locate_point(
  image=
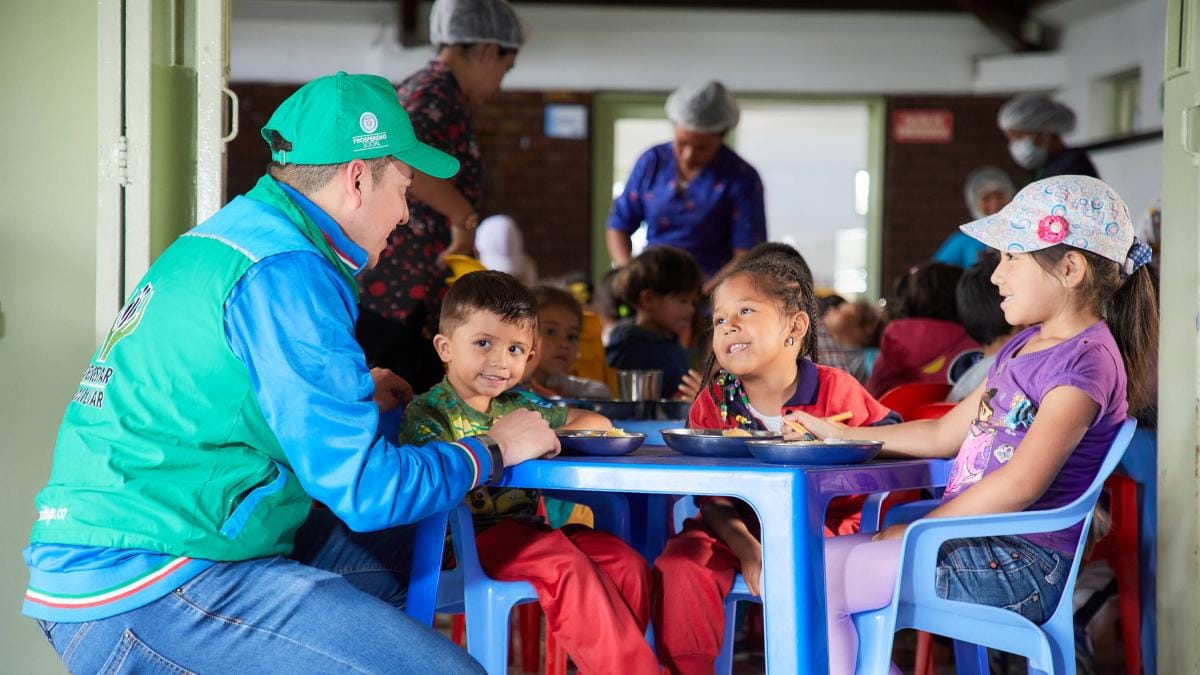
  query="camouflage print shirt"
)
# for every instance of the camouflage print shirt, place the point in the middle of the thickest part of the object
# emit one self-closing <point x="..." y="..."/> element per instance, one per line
<point x="441" y="414"/>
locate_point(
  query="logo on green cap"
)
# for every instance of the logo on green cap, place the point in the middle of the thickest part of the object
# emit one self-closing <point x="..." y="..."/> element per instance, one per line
<point x="369" y="140"/>
<point x="368" y="122"/>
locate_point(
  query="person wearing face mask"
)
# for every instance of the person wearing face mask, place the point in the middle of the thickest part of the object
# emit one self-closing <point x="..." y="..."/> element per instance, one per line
<point x="693" y="193"/>
<point x="1034" y="125"/>
<point x="987" y="190"/>
<point x="476" y="43"/>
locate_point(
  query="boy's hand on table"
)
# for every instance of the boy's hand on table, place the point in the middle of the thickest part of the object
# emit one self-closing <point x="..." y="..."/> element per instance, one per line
<point x="522" y="435"/>
<point x="390" y="389"/>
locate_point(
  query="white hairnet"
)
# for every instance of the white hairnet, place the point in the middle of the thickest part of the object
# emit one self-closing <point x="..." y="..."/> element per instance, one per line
<point x="501" y="248"/>
<point x="984" y="180"/>
<point x="459" y="22"/>
<point x="1035" y="113"/>
<point x="706" y="107"/>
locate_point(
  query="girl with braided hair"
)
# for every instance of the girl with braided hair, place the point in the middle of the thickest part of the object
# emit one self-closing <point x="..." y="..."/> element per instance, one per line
<point x="761" y="320"/>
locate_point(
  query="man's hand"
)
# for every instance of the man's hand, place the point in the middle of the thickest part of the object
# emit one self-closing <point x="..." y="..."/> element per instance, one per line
<point x="522" y="435"/>
<point x="390" y="389"/>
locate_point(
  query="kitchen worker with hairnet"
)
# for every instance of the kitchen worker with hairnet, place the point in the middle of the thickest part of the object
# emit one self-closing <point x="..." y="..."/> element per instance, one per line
<point x="694" y="193"/>
<point x="475" y="43"/>
<point x="1034" y="125"/>
<point x="987" y="190"/>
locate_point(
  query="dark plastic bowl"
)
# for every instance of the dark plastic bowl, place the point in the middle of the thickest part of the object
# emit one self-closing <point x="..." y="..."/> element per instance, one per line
<point x="815" y="452"/>
<point x="712" y="442"/>
<point x="670" y="409"/>
<point x="613" y="410"/>
<point x="600" y="444"/>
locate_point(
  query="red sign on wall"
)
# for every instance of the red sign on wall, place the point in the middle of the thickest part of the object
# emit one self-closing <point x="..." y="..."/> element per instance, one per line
<point x="922" y="126"/>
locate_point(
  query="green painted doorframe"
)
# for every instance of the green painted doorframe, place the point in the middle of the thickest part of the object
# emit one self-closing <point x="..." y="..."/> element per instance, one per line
<point x="1178" y="565"/>
<point x="609" y="107"/>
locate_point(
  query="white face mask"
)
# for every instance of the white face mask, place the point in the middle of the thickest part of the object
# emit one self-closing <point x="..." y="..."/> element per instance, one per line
<point x="1026" y="153"/>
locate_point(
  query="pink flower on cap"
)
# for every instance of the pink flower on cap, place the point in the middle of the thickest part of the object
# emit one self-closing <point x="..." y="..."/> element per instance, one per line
<point x="1052" y="229"/>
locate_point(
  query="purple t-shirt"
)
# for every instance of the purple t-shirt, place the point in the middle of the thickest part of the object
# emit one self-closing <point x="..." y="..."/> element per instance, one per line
<point x="1013" y="391"/>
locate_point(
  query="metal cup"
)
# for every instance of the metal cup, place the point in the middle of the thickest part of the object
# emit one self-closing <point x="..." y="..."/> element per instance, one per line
<point x="639" y="385"/>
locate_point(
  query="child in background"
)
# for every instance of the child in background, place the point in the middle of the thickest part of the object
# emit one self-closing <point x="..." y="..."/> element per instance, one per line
<point x="607" y="306"/>
<point x="560" y="320"/>
<point x="663" y="284"/>
<point x="924" y="338"/>
<point x="1039" y="426"/>
<point x="979" y="309"/>
<point x="761" y="337"/>
<point x="854" y="326"/>
<point x="593" y="587"/>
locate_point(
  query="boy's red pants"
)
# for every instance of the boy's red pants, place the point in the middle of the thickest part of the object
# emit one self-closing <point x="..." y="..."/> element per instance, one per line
<point x="593" y="588"/>
<point x="693" y="575"/>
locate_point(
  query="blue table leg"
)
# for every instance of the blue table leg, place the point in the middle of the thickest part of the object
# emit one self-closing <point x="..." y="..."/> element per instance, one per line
<point x="793" y="577"/>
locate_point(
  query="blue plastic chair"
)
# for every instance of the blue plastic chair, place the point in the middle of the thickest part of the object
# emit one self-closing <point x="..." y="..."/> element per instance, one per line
<point x="1050" y="647"/>
<point x="467" y="589"/>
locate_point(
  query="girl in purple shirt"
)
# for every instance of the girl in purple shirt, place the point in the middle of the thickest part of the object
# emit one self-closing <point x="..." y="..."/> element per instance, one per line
<point x="1037" y="429"/>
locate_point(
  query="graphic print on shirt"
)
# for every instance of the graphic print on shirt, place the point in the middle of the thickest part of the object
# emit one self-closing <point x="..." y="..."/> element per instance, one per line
<point x="973" y="456"/>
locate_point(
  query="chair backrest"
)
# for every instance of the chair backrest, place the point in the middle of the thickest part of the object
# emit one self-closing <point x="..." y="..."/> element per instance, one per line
<point x="1116" y="450"/>
<point x="932" y="411"/>
<point x="906" y="398"/>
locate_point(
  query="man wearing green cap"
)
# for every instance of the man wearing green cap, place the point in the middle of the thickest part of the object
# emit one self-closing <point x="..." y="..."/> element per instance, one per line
<point x="175" y="532"/>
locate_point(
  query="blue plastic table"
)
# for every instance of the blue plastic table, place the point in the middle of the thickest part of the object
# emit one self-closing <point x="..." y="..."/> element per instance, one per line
<point x="790" y="501"/>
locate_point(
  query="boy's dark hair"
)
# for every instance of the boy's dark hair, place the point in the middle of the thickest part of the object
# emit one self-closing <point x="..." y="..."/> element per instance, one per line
<point x="489" y="291"/>
<point x="828" y="302"/>
<point x="978" y="301"/>
<point x="664" y="270"/>
<point x="553" y="296"/>
<point x="927" y="292"/>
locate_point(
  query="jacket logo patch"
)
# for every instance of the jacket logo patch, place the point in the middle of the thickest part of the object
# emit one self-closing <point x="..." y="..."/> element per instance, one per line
<point x="48" y="514"/>
<point x="127" y="321"/>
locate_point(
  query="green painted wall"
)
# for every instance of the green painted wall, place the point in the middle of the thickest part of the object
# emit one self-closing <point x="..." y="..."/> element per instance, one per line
<point x="47" y="270"/>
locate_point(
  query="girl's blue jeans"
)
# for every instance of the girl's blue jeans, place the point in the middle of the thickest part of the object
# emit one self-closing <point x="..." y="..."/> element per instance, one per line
<point x="333" y="606"/>
<point x="1008" y="572"/>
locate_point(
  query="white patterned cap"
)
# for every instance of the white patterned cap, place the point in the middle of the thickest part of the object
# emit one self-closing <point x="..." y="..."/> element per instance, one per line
<point x="1078" y="211"/>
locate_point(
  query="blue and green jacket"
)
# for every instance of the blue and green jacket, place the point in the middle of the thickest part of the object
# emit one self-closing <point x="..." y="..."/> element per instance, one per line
<point x="229" y="393"/>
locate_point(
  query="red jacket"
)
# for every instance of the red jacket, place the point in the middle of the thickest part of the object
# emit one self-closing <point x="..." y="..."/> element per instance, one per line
<point x="820" y="391"/>
<point x="918" y="350"/>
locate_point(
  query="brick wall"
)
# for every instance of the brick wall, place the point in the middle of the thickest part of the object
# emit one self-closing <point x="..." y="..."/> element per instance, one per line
<point x="543" y="183"/>
<point x="923" y="182"/>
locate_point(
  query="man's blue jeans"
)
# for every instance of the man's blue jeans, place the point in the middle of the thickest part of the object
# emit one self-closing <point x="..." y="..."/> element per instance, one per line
<point x="332" y="607"/>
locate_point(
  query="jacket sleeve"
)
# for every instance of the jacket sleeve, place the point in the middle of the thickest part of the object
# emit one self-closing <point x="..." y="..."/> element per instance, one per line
<point x="290" y="320"/>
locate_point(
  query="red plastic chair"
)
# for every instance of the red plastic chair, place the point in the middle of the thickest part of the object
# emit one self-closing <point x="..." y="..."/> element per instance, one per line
<point x="932" y="411"/>
<point x="1119" y="547"/>
<point x="906" y="398"/>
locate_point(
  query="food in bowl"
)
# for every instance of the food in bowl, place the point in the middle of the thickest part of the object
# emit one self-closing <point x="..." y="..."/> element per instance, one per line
<point x="736" y="432"/>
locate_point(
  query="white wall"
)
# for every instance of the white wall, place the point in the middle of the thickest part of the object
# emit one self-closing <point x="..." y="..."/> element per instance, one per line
<point x="1100" y="38"/>
<point x="626" y="49"/>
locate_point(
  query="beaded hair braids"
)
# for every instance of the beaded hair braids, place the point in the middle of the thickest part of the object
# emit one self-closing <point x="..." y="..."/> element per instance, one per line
<point x="779" y="272"/>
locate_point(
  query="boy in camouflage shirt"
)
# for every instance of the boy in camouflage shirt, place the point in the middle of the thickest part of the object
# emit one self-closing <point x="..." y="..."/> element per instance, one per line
<point x="592" y="586"/>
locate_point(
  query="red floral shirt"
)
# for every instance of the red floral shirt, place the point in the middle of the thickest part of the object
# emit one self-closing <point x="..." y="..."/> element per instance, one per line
<point x="408" y="276"/>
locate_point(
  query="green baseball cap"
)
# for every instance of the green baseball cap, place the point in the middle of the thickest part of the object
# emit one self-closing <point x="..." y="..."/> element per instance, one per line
<point x="339" y="118"/>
